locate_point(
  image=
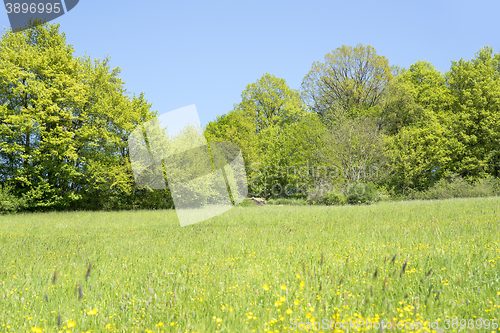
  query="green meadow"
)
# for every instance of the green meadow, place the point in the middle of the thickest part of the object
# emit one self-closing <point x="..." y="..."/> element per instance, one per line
<point x="254" y="269"/>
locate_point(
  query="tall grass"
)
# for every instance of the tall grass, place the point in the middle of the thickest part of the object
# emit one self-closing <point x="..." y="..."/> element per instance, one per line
<point x="252" y="269"/>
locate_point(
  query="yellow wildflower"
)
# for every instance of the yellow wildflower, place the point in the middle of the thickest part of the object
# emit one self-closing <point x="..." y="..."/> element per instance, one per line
<point x="92" y="312"/>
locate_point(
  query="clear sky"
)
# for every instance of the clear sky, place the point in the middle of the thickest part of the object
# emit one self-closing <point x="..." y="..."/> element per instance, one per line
<point x="205" y="52"/>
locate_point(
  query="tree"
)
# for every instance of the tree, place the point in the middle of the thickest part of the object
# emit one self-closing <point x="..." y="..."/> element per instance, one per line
<point x="355" y="148"/>
<point x="398" y="109"/>
<point x="64" y="122"/>
<point x="235" y="127"/>
<point x="413" y="97"/>
<point x="264" y="101"/>
<point x="267" y="103"/>
<point x="349" y="78"/>
<point x="475" y="114"/>
<point x="288" y="156"/>
<point x="428" y="87"/>
<point x="414" y="114"/>
<point x="418" y="156"/>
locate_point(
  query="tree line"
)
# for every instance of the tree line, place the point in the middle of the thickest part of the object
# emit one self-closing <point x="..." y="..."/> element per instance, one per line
<point x="65" y="121"/>
<point x="398" y="131"/>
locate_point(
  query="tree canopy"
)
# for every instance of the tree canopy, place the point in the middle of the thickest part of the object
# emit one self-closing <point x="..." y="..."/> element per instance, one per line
<point x="268" y="101"/>
<point x="349" y="78"/>
<point x="64" y="121"/>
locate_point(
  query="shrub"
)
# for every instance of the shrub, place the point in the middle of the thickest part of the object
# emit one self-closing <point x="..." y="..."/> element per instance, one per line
<point x="9" y="203"/>
<point x="357" y="193"/>
<point x="247" y="203"/>
<point x="384" y="194"/>
<point x="360" y="193"/>
<point x="328" y="198"/>
<point x="334" y="198"/>
<point x="454" y="186"/>
<point x="287" y="202"/>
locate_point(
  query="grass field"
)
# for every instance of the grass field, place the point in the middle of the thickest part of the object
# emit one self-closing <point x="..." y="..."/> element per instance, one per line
<point x="253" y="269"/>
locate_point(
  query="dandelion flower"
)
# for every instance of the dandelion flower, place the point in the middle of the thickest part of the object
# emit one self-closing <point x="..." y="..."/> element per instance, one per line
<point x="266" y="287"/>
<point x="283" y="287"/>
<point x="92" y="312"/>
<point x="289" y="311"/>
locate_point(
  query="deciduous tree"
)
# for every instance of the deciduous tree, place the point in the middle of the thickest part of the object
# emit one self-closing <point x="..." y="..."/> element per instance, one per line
<point x="265" y="101"/>
<point x="475" y="113"/>
<point x="64" y="121"/>
<point x="349" y="78"/>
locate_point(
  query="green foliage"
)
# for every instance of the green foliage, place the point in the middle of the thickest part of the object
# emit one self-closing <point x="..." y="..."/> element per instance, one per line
<point x="287" y="202"/>
<point x="247" y="203"/>
<point x="399" y="109"/>
<point x="288" y="155"/>
<point x="428" y="87"/>
<point x="362" y="193"/>
<point x="9" y="202"/>
<point x="355" y="193"/>
<point x="349" y="78"/>
<point x="64" y="122"/>
<point x="267" y="102"/>
<point x="328" y="199"/>
<point x="235" y="127"/>
<point x="454" y="186"/>
<point x="475" y="114"/>
<point x="418" y="156"/>
<point x="413" y="115"/>
<point x="355" y="148"/>
<point x="276" y="134"/>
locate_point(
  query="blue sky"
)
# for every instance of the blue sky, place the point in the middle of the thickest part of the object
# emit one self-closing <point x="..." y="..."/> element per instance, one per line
<point x="205" y="52"/>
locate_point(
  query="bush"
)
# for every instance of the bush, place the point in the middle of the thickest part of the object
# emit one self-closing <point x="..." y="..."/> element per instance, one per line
<point x="247" y="203"/>
<point x="384" y="194"/>
<point x="329" y="198"/>
<point x="9" y="203"/>
<point x="361" y="193"/>
<point x="454" y="186"/>
<point x="287" y="202"/>
<point x="357" y="193"/>
<point x="334" y="198"/>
